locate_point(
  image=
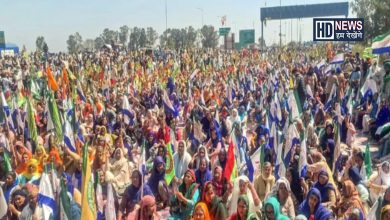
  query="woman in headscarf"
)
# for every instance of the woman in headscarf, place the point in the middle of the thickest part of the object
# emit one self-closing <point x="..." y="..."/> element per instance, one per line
<point x="40" y="155"/>
<point x="181" y="160"/>
<point x="10" y="185"/>
<point x="297" y="195"/>
<point x="54" y="159"/>
<point x="214" y="145"/>
<point x="222" y="186"/>
<point x="350" y="200"/>
<point x="18" y="201"/>
<point x="282" y="192"/>
<point x="312" y="208"/>
<point x="243" y="212"/>
<point x="32" y="174"/>
<point x="157" y="183"/>
<point x="379" y="182"/>
<point x="133" y="194"/>
<point x="202" y="153"/>
<point x="25" y="156"/>
<point x="242" y="186"/>
<point x="214" y="204"/>
<point x="185" y="197"/>
<point x="221" y="161"/>
<point x="327" y="190"/>
<point x="100" y="158"/>
<point x="147" y="210"/>
<point x="118" y="171"/>
<point x="264" y="181"/>
<point x="203" y="174"/>
<point x="318" y="163"/>
<point x="272" y="210"/>
<point x="201" y="212"/>
<point x="354" y="176"/>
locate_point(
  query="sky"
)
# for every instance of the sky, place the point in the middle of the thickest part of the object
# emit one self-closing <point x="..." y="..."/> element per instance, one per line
<point x="24" y="20"/>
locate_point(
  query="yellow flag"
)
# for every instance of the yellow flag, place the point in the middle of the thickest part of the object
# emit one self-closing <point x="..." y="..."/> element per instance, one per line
<point x="88" y="207"/>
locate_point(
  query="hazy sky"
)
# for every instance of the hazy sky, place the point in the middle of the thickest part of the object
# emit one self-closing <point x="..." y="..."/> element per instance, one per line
<point x="24" y="20"/>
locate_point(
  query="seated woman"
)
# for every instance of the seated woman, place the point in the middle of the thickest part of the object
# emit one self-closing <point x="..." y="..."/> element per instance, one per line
<point x="282" y="192"/>
<point x="327" y="190"/>
<point x="18" y="201"/>
<point x="118" y="171"/>
<point x="380" y="181"/>
<point x="201" y="212"/>
<point x="312" y="208"/>
<point x="32" y="174"/>
<point x="222" y="186"/>
<point x="201" y="153"/>
<point x="203" y="174"/>
<point x="10" y="185"/>
<point x="243" y="212"/>
<point x="133" y="194"/>
<point x="185" y="198"/>
<point x="272" y="210"/>
<point x="242" y="186"/>
<point x="157" y="183"/>
<point x="264" y="181"/>
<point x="350" y="201"/>
<point x="147" y="210"/>
<point x="214" y="203"/>
<point x="356" y="179"/>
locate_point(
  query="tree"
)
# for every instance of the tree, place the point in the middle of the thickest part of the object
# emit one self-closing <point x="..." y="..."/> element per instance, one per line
<point x="151" y="36"/>
<point x="210" y="36"/>
<point x="45" y="48"/>
<point x="375" y="14"/>
<point x="123" y="34"/>
<point x="39" y="43"/>
<point x="109" y="36"/>
<point x="89" y="44"/>
<point x="75" y="43"/>
<point x="138" y="38"/>
<point x="99" y="43"/>
<point x="191" y="34"/>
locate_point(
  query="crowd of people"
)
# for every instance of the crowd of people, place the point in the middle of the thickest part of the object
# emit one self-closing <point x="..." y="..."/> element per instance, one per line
<point x="194" y="134"/>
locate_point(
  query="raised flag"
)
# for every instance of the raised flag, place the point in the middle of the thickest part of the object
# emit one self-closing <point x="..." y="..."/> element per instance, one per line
<point x="69" y="137"/>
<point x="367" y="161"/>
<point x="31" y="124"/>
<point x="128" y="116"/>
<point x="65" y="205"/>
<point x="302" y="163"/>
<point x="54" y="116"/>
<point x="99" y="200"/>
<point x="46" y="198"/>
<point x="230" y="172"/>
<point x="88" y="207"/>
<point x="169" y="167"/>
<point x="110" y="204"/>
<point x="168" y="106"/>
<point x="381" y="44"/>
<point x="338" y="59"/>
<point x="51" y="82"/>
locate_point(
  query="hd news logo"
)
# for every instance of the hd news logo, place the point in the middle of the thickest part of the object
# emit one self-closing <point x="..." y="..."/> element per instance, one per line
<point x="338" y="29"/>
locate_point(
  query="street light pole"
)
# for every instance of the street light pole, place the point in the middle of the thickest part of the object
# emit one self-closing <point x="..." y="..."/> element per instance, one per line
<point x="201" y="10"/>
<point x="166" y="16"/>
<point x="280" y="24"/>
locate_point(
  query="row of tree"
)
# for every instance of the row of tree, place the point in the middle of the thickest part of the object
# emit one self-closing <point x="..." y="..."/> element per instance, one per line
<point x="136" y="38"/>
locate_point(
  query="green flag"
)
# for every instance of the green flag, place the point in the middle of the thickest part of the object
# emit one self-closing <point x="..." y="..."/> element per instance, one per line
<point x="31" y="123"/>
<point x="367" y="161"/>
<point x="65" y="207"/>
<point x="55" y="116"/>
<point x="169" y="167"/>
<point x="7" y="161"/>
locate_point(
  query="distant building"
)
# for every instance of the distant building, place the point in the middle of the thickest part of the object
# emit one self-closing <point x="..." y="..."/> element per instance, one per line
<point x="9" y="49"/>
